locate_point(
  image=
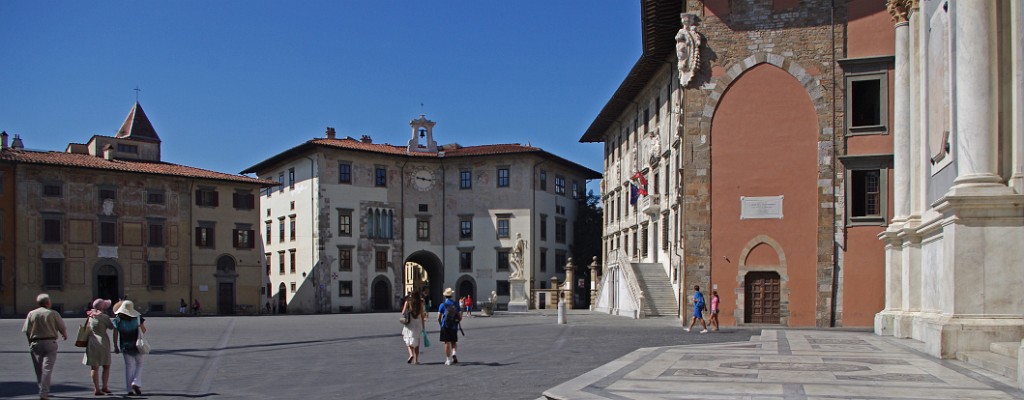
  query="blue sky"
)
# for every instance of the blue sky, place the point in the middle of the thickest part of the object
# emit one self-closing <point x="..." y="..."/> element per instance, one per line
<point x="230" y="83"/>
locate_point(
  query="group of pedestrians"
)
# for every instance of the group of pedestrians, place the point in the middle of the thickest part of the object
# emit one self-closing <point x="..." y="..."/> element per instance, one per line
<point x="43" y="324"/>
<point x="449" y="317"/>
<point x="700" y="306"/>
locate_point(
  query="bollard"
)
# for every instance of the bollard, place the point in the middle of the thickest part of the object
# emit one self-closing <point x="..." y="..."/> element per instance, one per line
<point x="562" y="313"/>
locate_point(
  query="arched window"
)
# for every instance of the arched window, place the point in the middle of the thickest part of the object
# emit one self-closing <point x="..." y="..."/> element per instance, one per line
<point x="390" y="224"/>
<point x="371" y="230"/>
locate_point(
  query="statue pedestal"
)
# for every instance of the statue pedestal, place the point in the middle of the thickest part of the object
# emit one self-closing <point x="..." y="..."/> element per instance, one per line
<point x="519" y="300"/>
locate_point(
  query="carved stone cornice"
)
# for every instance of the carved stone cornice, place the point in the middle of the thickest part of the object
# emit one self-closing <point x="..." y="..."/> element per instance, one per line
<point x="901" y="10"/>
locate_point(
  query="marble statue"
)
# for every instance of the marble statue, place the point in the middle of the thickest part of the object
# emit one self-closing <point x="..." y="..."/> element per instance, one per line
<point x="688" y="42"/>
<point x="516" y="258"/>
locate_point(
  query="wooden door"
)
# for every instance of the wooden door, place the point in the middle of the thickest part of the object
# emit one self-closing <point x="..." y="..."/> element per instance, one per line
<point x="225" y="298"/>
<point x="763" y="297"/>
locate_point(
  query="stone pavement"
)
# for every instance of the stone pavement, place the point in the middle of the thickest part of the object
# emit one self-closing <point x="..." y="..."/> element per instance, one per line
<point x="790" y="364"/>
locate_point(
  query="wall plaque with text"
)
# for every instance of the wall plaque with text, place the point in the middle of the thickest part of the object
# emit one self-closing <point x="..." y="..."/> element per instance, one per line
<point x="767" y="207"/>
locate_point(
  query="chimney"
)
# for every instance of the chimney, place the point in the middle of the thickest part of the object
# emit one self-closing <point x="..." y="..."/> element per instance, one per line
<point x="108" y="152"/>
<point x="17" y="144"/>
<point x="366" y="139"/>
<point x="330" y="133"/>
<point x="3" y="140"/>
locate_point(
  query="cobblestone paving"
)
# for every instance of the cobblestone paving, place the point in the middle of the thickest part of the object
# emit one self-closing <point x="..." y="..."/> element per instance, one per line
<point x="793" y="364"/>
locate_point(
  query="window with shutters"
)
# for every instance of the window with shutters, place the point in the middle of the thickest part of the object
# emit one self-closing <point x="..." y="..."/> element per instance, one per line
<point x="52" y="228"/>
<point x="291" y="260"/>
<point x="243" y="201"/>
<point x="345" y="259"/>
<point x="204" y="236"/>
<point x="280" y="262"/>
<point x="53" y="274"/>
<point x="243" y="238"/>
<point x="381" y="260"/>
<point x="108" y="233"/>
<point x="53" y="190"/>
<point x="156" y="275"/>
<point x="207" y="198"/>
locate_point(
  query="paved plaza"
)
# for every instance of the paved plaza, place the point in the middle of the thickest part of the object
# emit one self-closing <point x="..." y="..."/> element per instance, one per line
<point x="791" y="365"/>
<point x="353" y="356"/>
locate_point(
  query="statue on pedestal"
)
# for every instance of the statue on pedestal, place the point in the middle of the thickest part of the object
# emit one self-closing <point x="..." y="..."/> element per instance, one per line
<point x="516" y="258"/>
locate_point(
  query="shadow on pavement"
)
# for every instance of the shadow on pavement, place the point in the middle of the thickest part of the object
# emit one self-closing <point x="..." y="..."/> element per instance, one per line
<point x="11" y="389"/>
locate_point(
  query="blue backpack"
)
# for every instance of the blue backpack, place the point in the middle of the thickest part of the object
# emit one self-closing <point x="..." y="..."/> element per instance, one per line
<point x="451" y="317"/>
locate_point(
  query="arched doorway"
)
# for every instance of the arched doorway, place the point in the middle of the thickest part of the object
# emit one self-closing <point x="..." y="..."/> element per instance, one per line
<point x="466" y="287"/>
<point x="282" y="299"/>
<point x="107" y="281"/>
<point x="226" y="276"/>
<point x="380" y="297"/>
<point x="763" y="296"/>
<point x="435" y="274"/>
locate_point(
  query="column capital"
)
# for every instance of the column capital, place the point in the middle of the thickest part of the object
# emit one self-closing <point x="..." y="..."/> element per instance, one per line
<point x="901" y="10"/>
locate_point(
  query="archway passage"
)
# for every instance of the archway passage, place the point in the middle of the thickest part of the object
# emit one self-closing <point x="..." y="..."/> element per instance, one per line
<point x="282" y="299"/>
<point x="108" y="285"/>
<point x="763" y="296"/>
<point x="226" y="285"/>
<point x="435" y="275"/>
<point x="466" y="287"/>
<point x="381" y="296"/>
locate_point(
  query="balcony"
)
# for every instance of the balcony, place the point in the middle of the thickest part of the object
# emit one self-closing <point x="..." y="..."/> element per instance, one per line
<point x="650" y="204"/>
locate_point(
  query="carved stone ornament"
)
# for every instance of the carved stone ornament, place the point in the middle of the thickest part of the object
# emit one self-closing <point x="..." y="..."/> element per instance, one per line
<point x="653" y="148"/>
<point x="688" y="49"/>
<point x="900" y="9"/>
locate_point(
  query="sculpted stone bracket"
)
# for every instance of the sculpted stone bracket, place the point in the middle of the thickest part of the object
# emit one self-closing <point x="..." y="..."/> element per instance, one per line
<point x="688" y="42"/>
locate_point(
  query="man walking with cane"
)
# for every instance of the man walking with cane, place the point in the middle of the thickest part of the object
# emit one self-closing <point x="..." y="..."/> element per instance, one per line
<point x="41" y="328"/>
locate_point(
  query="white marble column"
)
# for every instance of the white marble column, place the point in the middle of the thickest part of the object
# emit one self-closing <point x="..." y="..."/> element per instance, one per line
<point x="975" y="54"/>
<point x="1017" y="93"/>
<point x="901" y="124"/>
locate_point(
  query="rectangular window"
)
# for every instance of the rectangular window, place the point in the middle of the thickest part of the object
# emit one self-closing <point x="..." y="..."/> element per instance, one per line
<point x="423" y="230"/>
<point x="53" y="274"/>
<point x="345" y="172"/>
<point x="269" y="231"/>
<point x="280" y="182"/>
<point x="866" y="201"/>
<point x="503" y="230"/>
<point x="108" y="193"/>
<point x="560" y="233"/>
<point x="280" y="229"/>
<point x="108" y="233"/>
<point x="644" y="244"/>
<point x="543" y="227"/>
<point x="52" y="229"/>
<point x="291" y="226"/>
<point x="560" y="259"/>
<point x="503" y="260"/>
<point x="654" y="185"/>
<point x="466" y="229"/>
<point x="207" y="198"/>
<point x="204" y="236"/>
<point x="867" y="102"/>
<point x="380" y="177"/>
<point x="543" y="260"/>
<point x="156" y="234"/>
<point x="502" y="288"/>
<point x="543" y="180"/>
<point x="344" y="259"/>
<point x="53" y="190"/>
<point x="243" y="238"/>
<point x="127" y="148"/>
<point x="576" y="189"/>
<point x="465" y="261"/>
<point x="344" y="222"/>
<point x="155" y="197"/>
<point x="280" y="262"/>
<point x="664" y="232"/>
<point x="156" y="275"/>
<point x="502" y="177"/>
<point x="344" y="288"/>
<point x="382" y="261"/>
<point x="243" y="201"/>
<point x="465" y="180"/>
<point x="291" y="178"/>
<point x="291" y="261"/>
<point x="293" y="289"/>
<point x="559" y="184"/>
<point x="269" y="262"/>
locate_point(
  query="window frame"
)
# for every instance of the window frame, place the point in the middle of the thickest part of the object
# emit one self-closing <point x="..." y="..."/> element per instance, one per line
<point x="503" y="227"/>
<point x="46" y="230"/>
<point x="345" y="289"/>
<point x="465" y="260"/>
<point x="862" y="69"/>
<point x="52" y="189"/>
<point x="57" y="263"/>
<point x="345" y="172"/>
<point x="543" y="180"/>
<point x="380" y="176"/>
<point x="466" y="229"/>
<point x="156" y="269"/>
<point x="501" y="259"/>
<point x="880" y="162"/>
<point x="465" y="179"/>
<point x="345" y="258"/>
<point x="345" y="222"/>
<point x="423" y="230"/>
<point x="504" y="177"/>
<point x="380" y="260"/>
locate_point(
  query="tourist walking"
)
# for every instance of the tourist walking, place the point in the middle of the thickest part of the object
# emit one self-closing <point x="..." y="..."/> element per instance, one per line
<point x="698" y="310"/>
<point x="41" y="328"/>
<point x="469" y="305"/>
<point x="714" y="310"/>
<point x="449" y="317"/>
<point x="97" y="349"/>
<point x="196" y="306"/>
<point x="128" y="325"/>
<point x="462" y="303"/>
<point x="183" y="307"/>
<point x="414" y="327"/>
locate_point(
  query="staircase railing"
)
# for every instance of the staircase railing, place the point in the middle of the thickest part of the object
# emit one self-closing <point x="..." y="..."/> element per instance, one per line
<point x="625" y="264"/>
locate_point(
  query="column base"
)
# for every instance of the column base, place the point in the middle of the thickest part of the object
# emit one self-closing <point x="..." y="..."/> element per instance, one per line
<point x="945" y="336"/>
<point x="903" y="324"/>
<point x="884" y="322"/>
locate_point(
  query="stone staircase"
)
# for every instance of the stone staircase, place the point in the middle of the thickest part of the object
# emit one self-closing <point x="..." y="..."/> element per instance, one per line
<point x="659" y="296"/>
<point x="1001" y="359"/>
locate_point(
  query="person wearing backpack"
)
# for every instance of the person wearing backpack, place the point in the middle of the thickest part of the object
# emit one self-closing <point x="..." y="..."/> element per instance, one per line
<point x="698" y="310"/>
<point x="449" y="316"/>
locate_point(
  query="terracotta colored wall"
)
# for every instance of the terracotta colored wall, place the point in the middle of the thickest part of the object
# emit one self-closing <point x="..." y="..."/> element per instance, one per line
<point x="863" y="276"/>
<point x="870" y="30"/>
<point x="764" y="143"/>
<point x="7" y="206"/>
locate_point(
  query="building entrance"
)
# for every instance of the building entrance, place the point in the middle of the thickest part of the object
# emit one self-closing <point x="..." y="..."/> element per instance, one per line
<point x="763" y="295"/>
<point x="381" y="295"/>
<point x="108" y="285"/>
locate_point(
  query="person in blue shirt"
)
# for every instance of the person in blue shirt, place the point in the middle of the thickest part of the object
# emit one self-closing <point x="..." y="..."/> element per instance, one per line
<point x="449" y="316"/>
<point x="698" y="310"/>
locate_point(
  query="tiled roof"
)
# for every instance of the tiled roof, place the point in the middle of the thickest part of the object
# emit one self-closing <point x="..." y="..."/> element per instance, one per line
<point x="142" y="167"/>
<point x="137" y="126"/>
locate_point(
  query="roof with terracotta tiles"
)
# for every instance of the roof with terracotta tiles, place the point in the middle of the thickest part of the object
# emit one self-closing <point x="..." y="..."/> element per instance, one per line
<point x="137" y="126"/>
<point x="446" y="151"/>
<point x="143" y="167"/>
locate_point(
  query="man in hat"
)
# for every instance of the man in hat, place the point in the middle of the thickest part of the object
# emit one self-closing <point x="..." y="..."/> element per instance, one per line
<point x="449" y="317"/>
<point x="41" y="328"/>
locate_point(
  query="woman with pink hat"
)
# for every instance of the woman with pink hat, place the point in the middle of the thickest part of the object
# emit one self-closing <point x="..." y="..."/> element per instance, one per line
<point x="97" y="351"/>
<point x="128" y="325"/>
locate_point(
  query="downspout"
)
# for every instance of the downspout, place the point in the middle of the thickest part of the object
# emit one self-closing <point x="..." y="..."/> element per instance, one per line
<point x="835" y="247"/>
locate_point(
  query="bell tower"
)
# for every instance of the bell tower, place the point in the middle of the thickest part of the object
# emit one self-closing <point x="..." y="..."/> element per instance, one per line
<point x="422" y="128"/>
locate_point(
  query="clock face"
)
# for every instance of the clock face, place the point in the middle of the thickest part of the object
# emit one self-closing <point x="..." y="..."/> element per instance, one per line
<point x="423" y="180"/>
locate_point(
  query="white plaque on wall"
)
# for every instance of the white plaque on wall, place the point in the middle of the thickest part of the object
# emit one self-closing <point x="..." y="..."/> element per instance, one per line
<point x="767" y="207"/>
<point x="204" y="288"/>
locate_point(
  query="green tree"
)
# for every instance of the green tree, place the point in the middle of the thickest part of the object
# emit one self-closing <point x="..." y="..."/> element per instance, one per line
<point x="587" y="242"/>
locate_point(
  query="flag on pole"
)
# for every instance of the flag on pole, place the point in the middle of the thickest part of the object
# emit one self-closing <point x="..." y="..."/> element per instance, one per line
<point x="633" y="194"/>
<point x="640" y="182"/>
